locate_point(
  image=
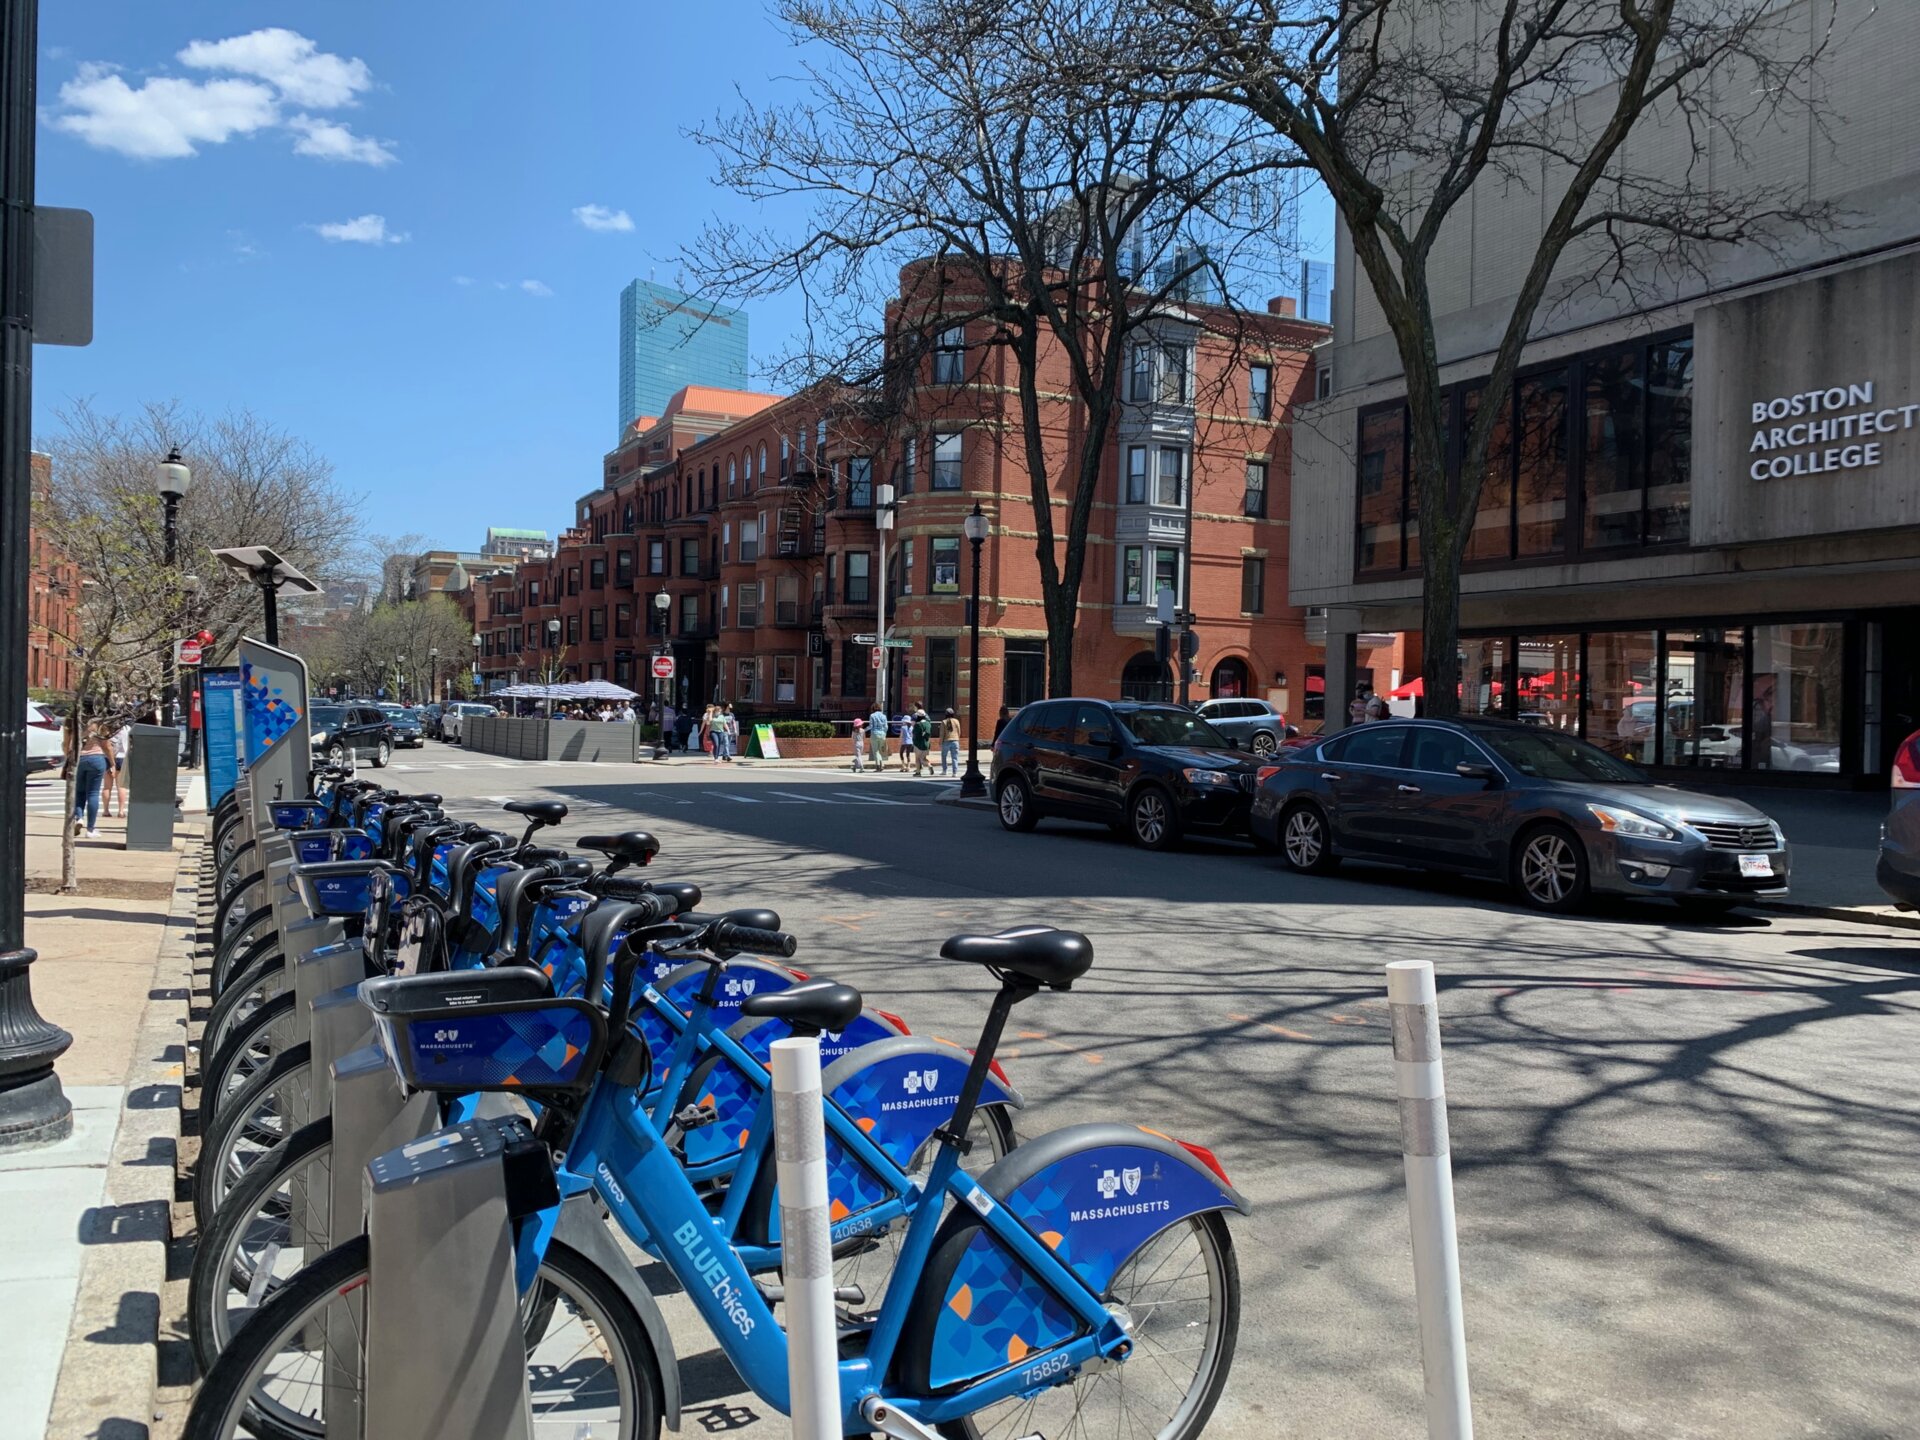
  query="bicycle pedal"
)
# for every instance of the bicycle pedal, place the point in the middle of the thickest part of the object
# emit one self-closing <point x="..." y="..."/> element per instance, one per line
<point x="692" y="1117"/>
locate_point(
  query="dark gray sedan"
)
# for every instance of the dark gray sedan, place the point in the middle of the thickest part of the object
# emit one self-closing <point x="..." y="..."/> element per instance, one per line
<point x="1553" y="816"/>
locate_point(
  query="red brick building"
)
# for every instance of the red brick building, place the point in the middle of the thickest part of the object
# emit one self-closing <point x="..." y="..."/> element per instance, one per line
<point x="755" y="518"/>
<point x="53" y="601"/>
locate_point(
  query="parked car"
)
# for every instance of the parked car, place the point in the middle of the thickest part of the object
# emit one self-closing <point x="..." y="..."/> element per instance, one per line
<point x="1256" y="724"/>
<point x="453" y="715"/>
<point x="1899" y="868"/>
<point x="46" y="745"/>
<point x="407" y="733"/>
<point x="1553" y="816"/>
<point x="430" y="720"/>
<point x="1151" y="771"/>
<point x="363" y="730"/>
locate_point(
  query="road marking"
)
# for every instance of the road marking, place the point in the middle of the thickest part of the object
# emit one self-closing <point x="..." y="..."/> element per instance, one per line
<point x="1091" y="1057"/>
<point x="868" y="799"/>
<point x="1275" y="1029"/>
<point x="809" y="799"/>
<point x="737" y="799"/>
<point x="852" y="922"/>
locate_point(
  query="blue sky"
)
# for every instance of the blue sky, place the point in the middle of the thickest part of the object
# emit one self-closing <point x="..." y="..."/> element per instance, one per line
<point x="359" y="220"/>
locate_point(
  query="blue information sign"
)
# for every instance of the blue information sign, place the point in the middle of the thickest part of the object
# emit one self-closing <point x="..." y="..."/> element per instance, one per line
<point x="225" y="723"/>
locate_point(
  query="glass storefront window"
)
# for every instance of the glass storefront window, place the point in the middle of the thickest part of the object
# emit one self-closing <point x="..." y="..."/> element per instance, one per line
<point x="1797" y="690"/>
<point x="1547" y="690"/>
<point x="1492" y="537"/>
<point x="1542" y="476"/>
<point x="1483" y="676"/>
<point x="1670" y="448"/>
<point x="1382" y="486"/>
<point x="1611" y="426"/>
<point x="1622" y="695"/>
<point x="1706" y="699"/>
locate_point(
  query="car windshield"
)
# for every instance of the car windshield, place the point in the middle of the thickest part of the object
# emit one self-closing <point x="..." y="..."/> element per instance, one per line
<point x="1548" y="755"/>
<point x="328" y="717"/>
<point x="1172" y="727"/>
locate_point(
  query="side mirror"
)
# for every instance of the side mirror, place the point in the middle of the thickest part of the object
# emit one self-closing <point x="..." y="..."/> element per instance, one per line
<point x="1233" y="742"/>
<point x="1475" y="770"/>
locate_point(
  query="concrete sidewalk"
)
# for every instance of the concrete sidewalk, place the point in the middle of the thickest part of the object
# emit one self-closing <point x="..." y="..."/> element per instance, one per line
<point x="83" y="1271"/>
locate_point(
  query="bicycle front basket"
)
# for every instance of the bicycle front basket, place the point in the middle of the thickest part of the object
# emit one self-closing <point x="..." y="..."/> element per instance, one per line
<point x="499" y="1029"/>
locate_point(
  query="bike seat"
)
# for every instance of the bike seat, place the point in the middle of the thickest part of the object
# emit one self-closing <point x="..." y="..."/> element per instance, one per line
<point x="1051" y="959"/>
<point x="634" y="847"/>
<point x="540" y="812"/>
<point x="809" y="1007"/>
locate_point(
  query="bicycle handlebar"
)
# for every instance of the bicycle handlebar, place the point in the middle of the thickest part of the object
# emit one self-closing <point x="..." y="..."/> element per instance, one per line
<point x="728" y="938"/>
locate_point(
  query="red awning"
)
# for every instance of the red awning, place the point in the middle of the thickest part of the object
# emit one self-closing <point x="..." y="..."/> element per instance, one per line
<point x="1413" y="689"/>
<point x="1316" y="684"/>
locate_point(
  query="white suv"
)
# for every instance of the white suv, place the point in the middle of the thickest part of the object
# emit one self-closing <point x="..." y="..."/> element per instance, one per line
<point x="453" y="718"/>
<point x="46" y="742"/>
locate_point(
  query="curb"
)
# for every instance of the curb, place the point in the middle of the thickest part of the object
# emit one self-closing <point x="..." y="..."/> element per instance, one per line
<point x="1851" y="914"/>
<point x="955" y="798"/>
<point x="109" y="1372"/>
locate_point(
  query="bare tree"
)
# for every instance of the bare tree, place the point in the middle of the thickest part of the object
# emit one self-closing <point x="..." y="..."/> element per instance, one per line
<point x="252" y="485"/>
<point x="1403" y="107"/>
<point x="978" y="145"/>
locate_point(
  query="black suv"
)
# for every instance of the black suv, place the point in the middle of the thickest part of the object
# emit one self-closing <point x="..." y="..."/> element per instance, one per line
<point x="363" y="729"/>
<point x="1153" y="771"/>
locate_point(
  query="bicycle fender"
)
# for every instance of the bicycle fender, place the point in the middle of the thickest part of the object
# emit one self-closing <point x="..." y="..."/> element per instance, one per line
<point x="584" y="1229"/>
<point x="677" y="984"/>
<point x="902" y="1089"/>
<point x="1094" y="1195"/>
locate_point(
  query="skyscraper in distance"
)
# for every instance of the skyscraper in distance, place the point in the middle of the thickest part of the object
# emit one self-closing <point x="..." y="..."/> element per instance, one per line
<point x="668" y="340"/>
<point x="1316" y="291"/>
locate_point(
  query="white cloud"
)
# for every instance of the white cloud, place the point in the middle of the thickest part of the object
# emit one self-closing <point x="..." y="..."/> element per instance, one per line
<point x="330" y="140"/>
<point x="164" y="119"/>
<point x="463" y="280"/>
<point x="299" y="69"/>
<point x="536" y="288"/>
<point x="361" y="230"/>
<point x="599" y="217"/>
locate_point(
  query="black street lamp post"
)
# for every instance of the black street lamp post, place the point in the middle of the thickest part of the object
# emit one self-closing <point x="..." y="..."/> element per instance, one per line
<point x="172" y="479"/>
<point x="973" y="782"/>
<point x="662" y="603"/>
<point x="433" y="673"/>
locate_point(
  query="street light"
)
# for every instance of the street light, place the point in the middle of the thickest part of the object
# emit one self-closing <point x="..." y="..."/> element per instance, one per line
<point x="662" y="603"/>
<point x="882" y="523"/>
<point x="172" y="479"/>
<point x="272" y="574"/>
<point x="399" y="679"/>
<point x="433" y="673"/>
<point x="553" y="646"/>
<point x="476" y="664"/>
<point x="977" y="528"/>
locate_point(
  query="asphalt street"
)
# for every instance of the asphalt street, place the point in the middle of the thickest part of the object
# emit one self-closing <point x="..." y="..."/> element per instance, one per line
<point x="1687" y="1157"/>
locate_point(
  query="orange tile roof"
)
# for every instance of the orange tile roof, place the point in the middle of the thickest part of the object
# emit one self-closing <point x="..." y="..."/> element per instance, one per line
<point x="711" y="399"/>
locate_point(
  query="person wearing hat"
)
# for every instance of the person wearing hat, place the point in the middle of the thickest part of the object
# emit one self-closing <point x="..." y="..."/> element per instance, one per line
<point x="950" y="744"/>
<point x="922" y="741"/>
<point x="859" y="746"/>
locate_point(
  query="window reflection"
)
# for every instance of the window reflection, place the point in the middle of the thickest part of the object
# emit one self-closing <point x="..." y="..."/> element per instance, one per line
<point x="1547" y="691"/>
<point x="1483" y="676"/>
<point x="1670" y="432"/>
<point x="1706" y="699"/>
<point x="1797" y="672"/>
<point x="1541" y="484"/>
<point x="1612" y="452"/>
<point x="1382" y="481"/>
<point x="1492" y="537"/>
<point x="1622" y="696"/>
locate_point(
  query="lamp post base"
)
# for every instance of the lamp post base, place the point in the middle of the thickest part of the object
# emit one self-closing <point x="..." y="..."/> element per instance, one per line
<point x="973" y="784"/>
<point x="34" y="1110"/>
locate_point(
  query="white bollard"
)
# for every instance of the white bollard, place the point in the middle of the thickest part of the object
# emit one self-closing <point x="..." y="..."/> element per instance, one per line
<point x="1436" y="1251"/>
<point x="806" y="1241"/>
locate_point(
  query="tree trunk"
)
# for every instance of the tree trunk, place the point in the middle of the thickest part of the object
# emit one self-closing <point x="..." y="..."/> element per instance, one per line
<point x="1062" y="608"/>
<point x="1440" y="627"/>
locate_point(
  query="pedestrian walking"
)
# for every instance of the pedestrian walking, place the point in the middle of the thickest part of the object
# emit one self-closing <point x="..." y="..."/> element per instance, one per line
<point x="669" y="722"/>
<point x="950" y="744"/>
<point x="733" y="734"/>
<point x="859" y="746"/>
<point x="716" y="734"/>
<point x="1377" y="707"/>
<point x="1006" y="714"/>
<point x="877" y="738"/>
<point x="1357" y="707"/>
<point x="90" y="770"/>
<point x="922" y="742"/>
<point x="683" y="729"/>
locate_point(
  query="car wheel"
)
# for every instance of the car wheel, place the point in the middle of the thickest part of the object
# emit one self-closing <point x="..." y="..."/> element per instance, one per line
<point x="382" y="755"/>
<point x="1264" y="744"/>
<point x="1015" y="803"/>
<point x="337" y="754"/>
<point x="1152" y="822"/>
<point x="1550" y="868"/>
<point x="1306" y="843"/>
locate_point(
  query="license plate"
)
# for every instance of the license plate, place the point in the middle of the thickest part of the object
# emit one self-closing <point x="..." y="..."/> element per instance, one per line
<point x="1754" y="866"/>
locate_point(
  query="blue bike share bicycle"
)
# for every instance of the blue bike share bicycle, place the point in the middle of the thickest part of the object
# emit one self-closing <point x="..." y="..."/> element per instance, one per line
<point x="1083" y="1284"/>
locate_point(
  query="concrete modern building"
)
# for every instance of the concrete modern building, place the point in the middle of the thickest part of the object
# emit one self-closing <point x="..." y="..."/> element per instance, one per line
<point x="1698" y="542"/>
<point x="669" y="341"/>
<point x="507" y="544"/>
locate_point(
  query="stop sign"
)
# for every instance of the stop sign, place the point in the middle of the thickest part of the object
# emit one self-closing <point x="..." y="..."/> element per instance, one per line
<point x="188" y="651"/>
<point x="663" y="667"/>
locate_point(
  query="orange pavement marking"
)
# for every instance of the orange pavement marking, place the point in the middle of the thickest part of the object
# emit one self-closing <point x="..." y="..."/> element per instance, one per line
<point x="1276" y="1029"/>
<point x="1089" y="1056"/>
<point x="852" y="922"/>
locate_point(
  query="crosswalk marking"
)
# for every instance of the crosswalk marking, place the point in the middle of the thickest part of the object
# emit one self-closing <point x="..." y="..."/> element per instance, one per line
<point x="809" y="799"/>
<point x="868" y="799"/>
<point x="737" y="799"/>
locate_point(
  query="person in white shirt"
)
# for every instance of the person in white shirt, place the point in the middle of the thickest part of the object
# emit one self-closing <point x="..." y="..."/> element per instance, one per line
<point x="877" y="728"/>
<point x="625" y="716"/>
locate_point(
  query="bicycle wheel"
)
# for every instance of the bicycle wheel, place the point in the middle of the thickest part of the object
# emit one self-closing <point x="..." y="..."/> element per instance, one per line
<point x="257" y="1118"/>
<point x="1180" y="1297"/>
<point x="591" y="1376"/>
<point x="249" y="1254"/>
<point x="233" y="911"/>
<point x="245" y="952"/>
<point x="249" y="1047"/>
<point x="868" y="1262"/>
<point x="245" y="994"/>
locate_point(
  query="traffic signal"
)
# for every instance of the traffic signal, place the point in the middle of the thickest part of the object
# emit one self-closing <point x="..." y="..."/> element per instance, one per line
<point x="1189" y="644"/>
<point x="1162" y="645"/>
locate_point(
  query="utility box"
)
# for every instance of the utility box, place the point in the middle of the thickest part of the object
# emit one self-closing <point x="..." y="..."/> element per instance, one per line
<point x="153" y="766"/>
